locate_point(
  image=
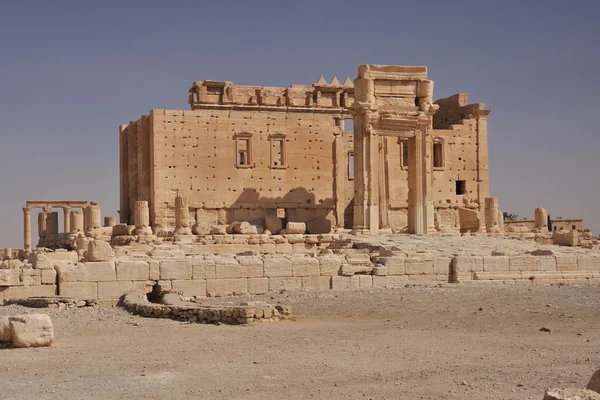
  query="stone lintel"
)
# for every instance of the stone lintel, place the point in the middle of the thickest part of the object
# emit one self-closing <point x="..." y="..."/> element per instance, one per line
<point x="55" y="203"/>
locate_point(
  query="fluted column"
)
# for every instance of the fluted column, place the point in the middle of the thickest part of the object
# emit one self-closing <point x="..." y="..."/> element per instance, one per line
<point x="27" y="229"/>
<point x="76" y="222"/>
<point x="141" y="215"/>
<point x="67" y="219"/>
<point x="182" y="216"/>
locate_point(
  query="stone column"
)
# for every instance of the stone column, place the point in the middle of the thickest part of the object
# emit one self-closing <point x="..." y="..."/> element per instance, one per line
<point x="94" y="216"/>
<point x="67" y="219"/>
<point x="42" y="221"/>
<point x="491" y="214"/>
<point x="52" y="224"/>
<point x="110" y="221"/>
<point x="541" y="218"/>
<point x="27" y="229"/>
<point x="182" y="216"/>
<point x="142" y="218"/>
<point x="500" y="221"/>
<point x="76" y="222"/>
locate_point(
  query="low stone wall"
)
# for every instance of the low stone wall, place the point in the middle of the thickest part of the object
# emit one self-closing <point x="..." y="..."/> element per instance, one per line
<point x="316" y="264"/>
<point x="189" y="312"/>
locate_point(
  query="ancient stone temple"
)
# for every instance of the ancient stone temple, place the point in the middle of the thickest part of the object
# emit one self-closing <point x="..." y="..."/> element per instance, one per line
<point x="252" y="154"/>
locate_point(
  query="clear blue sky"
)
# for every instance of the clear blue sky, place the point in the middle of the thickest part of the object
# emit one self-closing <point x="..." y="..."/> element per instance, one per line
<point x="73" y="71"/>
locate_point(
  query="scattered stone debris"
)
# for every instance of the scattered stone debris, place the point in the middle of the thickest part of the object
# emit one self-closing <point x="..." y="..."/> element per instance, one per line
<point x="591" y="392"/>
<point x="51" y="302"/>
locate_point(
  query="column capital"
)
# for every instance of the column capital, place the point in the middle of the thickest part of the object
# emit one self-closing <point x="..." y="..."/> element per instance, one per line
<point x="26" y="210"/>
<point x="46" y="209"/>
<point x="67" y="208"/>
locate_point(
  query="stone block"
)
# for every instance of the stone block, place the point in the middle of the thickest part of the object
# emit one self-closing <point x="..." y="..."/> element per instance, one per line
<point x="190" y="288"/>
<point x="524" y="263"/>
<point x="305" y="266"/>
<point x="303" y="248"/>
<point x="154" y="269"/>
<point x="497" y="275"/>
<point x="345" y="282"/>
<point x="5" y="331"/>
<point x="365" y="281"/>
<point x="18" y="292"/>
<point x="316" y="282"/>
<point x="31" y="330"/>
<point x="132" y="270"/>
<point x="329" y="265"/>
<point x="268" y="248"/>
<point x="284" y="248"/>
<point x="396" y="265"/>
<point x="566" y="262"/>
<point x="274" y="225"/>
<point x="99" y="250"/>
<point x="79" y="290"/>
<point x="442" y="266"/>
<point x="398" y="281"/>
<point x="418" y="266"/>
<point x="9" y="277"/>
<point x="258" y="285"/>
<point x="120" y="230"/>
<point x="277" y="267"/>
<point x="100" y="271"/>
<point x="295" y="228"/>
<point x="462" y="264"/>
<point x="251" y="266"/>
<point x="224" y="287"/>
<point x="496" y="263"/>
<point x="41" y="260"/>
<point x="227" y="268"/>
<point x="48" y="276"/>
<point x="277" y="284"/>
<point x="113" y="290"/>
<point x="358" y="259"/>
<point x="175" y="269"/>
<point x="546" y="263"/>
<point x="587" y="262"/>
<point x="45" y="290"/>
<point x="204" y="268"/>
<point x="423" y="280"/>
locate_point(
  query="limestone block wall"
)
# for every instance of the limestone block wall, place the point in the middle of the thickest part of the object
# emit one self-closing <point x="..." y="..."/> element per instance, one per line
<point x="289" y="164"/>
<point x="252" y="264"/>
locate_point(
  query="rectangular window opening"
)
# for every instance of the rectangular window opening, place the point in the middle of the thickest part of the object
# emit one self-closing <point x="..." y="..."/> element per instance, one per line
<point x="461" y="187"/>
<point x="243" y="158"/>
<point x="278" y="156"/>
<point x="348" y="125"/>
<point x="404" y="149"/>
<point x="351" y="165"/>
<point x="438" y="155"/>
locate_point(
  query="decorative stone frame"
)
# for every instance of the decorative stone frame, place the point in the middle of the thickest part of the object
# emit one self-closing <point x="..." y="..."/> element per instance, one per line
<point x="247" y="137"/>
<point x="278" y="138"/>
<point x="441" y="145"/>
<point x="403" y="143"/>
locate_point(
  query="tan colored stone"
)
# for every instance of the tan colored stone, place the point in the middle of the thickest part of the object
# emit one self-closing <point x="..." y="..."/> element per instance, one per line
<point x="277" y="267"/>
<point x="190" y="288"/>
<point x="176" y="269"/>
<point x="113" y="290"/>
<point x="132" y="270"/>
<point x="258" y="285"/>
<point x="31" y="330"/>
<point x="295" y="228"/>
<point x="316" y="282"/>
<point x="277" y="284"/>
<point x="224" y="287"/>
<point x="99" y="250"/>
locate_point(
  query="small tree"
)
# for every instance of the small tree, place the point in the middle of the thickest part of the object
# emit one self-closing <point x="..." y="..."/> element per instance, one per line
<point x="509" y="216"/>
<point x="549" y="223"/>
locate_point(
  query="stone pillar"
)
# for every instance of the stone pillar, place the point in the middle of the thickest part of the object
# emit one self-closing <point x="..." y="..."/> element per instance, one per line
<point x="110" y="221"/>
<point x="491" y="215"/>
<point x="142" y="218"/>
<point x="67" y="219"/>
<point x="541" y="218"/>
<point x="500" y="221"/>
<point x="26" y="229"/>
<point x="76" y="222"/>
<point x="93" y="216"/>
<point x="182" y="216"/>
<point x="52" y="224"/>
<point x="340" y="172"/>
<point x="420" y="203"/>
<point x="42" y="222"/>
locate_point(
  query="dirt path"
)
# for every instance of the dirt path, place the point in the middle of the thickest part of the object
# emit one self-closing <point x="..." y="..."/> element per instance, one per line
<point x="477" y="342"/>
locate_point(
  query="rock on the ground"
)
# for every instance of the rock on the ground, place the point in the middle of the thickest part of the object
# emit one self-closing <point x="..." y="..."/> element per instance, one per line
<point x="295" y="228"/>
<point x="31" y="330"/>
<point x="571" y="394"/>
<point x="594" y="383"/>
<point x="5" y="332"/>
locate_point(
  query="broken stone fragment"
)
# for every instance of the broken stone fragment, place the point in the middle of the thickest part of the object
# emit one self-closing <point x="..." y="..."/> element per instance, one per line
<point x="33" y="330"/>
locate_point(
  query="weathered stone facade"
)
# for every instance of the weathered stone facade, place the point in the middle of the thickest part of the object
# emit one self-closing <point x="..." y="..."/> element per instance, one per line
<point x="247" y="153"/>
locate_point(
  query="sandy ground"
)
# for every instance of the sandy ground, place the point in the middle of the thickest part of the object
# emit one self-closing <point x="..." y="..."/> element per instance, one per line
<point x="454" y="342"/>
